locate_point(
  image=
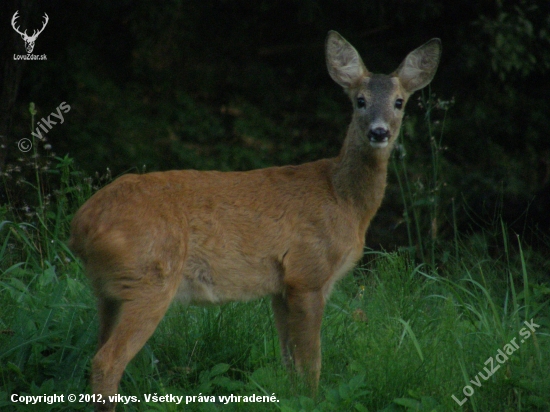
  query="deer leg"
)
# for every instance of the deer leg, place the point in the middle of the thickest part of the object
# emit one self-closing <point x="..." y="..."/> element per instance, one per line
<point x="304" y="314"/>
<point x="137" y="320"/>
<point x="280" y="310"/>
<point x="108" y="310"/>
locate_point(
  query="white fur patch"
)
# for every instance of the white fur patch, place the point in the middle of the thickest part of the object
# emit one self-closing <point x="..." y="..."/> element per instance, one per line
<point x="379" y="145"/>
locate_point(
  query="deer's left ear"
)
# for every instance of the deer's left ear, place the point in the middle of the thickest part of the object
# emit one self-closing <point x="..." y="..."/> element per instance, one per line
<point x="420" y="65"/>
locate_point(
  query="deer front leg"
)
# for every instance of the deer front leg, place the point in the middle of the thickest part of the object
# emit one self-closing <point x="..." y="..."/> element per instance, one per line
<point x="298" y="316"/>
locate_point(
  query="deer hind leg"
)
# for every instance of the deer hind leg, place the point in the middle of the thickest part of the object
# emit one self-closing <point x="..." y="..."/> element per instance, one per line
<point x="125" y="327"/>
<point x="298" y="316"/>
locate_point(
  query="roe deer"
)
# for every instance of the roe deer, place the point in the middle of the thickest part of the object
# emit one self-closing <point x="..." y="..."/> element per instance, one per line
<point x="212" y="237"/>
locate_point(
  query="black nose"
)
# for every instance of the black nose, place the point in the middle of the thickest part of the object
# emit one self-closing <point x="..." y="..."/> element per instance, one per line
<point x="379" y="134"/>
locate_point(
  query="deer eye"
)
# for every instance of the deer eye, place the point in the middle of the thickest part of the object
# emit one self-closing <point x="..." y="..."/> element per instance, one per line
<point x="399" y="104"/>
<point x="361" y="103"/>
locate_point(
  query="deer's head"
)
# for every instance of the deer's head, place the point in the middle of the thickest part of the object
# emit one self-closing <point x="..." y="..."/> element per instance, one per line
<point x="379" y="100"/>
<point x="29" y="40"/>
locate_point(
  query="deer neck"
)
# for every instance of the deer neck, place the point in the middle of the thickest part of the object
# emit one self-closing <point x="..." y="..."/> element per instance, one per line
<point x="359" y="175"/>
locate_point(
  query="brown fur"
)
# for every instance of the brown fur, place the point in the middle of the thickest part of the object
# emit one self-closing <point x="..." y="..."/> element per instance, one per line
<point x="211" y="237"/>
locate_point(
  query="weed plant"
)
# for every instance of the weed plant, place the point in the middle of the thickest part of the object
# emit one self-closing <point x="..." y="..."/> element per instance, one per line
<point x="405" y="332"/>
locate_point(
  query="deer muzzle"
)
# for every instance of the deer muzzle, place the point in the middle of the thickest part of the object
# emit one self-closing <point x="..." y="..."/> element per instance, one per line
<point x="379" y="136"/>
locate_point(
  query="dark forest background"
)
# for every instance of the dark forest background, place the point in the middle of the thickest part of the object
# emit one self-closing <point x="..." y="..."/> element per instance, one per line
<point x="236" y="85"/>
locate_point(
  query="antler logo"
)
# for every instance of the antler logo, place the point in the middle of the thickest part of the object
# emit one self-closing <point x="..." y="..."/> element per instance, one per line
<point x="29" y="40"/>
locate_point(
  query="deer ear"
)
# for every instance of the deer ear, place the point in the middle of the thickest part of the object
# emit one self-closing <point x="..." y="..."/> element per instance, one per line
<point x="420" y="65"/>
<point x="343" y="62"/>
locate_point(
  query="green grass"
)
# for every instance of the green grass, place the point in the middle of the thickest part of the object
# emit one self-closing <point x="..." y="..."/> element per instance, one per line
<point x="398" y="334"/>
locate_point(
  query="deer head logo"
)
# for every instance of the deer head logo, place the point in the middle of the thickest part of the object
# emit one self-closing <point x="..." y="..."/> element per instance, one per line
<point x="29" y="40"/>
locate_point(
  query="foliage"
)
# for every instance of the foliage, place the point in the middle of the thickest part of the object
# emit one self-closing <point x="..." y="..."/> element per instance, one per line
<point x="520" y="39"/>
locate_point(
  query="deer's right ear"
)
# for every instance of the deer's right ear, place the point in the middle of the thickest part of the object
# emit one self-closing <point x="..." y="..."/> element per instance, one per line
<point x="343" y="62"/>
